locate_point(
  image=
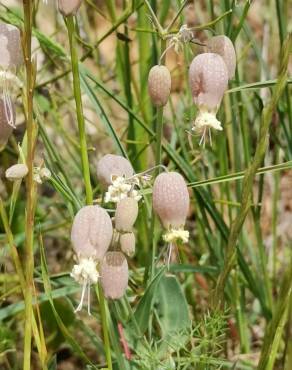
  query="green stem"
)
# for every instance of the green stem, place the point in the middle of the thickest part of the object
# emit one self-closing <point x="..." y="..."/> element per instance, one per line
<point x="106" y="340"/>
<point x="37" y="332"/>
<point x="230" y="254"/>
<point x="159" y="134"/>
<point x="275" y="328"/>
<point x="28" y="6"/>
<point x="79" y="109"/>
<point x="85" y="165"/>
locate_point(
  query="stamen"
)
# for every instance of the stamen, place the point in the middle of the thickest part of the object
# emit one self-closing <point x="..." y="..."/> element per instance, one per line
<point x="206" y="121"/>
<point x="85" y="273"/>
<point x="8" y="80"/>
<point x="169" y="251"/>
<point x="210" y="136"/>
<point x="176" y="235"/>
<point x="79" y="307"/>
<point x="88" y="299"/>
<point x="8" y="108"/>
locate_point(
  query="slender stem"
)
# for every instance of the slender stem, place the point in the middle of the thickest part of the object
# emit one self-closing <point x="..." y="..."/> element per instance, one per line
<point x="159" y="133"/>
<point x="154" y="18"/>
<point x="206" y="25"/>
<point x="28" y="6"/>
<point x="79" y="109"/>
<point x="230" y="254"/>
<point x="106" y="340"/>
<point x="37" y="332"/>
<point x="274" y="330"/>
<point x="85" y="165"/>
<point x="177" y="15"/>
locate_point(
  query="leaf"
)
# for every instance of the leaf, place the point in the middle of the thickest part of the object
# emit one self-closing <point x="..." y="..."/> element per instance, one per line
<point x="48" y="290"/>
<point x="52" y="365"/>
<point x="18" y="307"/>
<point x="100" y="111"/>
<point x="172" y="306"/>
<point x="256" y="85"/>
<point x="144" y="307"/>
<point x="191" y="269"/>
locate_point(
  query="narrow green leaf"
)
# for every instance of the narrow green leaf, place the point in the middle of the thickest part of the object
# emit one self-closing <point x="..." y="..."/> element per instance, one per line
<point x="144" y="307"/>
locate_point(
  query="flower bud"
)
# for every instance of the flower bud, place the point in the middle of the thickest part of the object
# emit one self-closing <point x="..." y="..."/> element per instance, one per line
<point x="126" y="214"/>
<point x="112" y="165"/>
<point x="127" y="243"/>
<point x="159" y="85"/>
<point x="208" y="77"/>
<point x="171" y="199"/>
<point x="69" y="7"/>
<point x="223" y="46"/>
<point x="91" y="232"/>
<point x="5" y="128"/>
<point x="114" y="275"/>
<point x="16" y="172"/>
<point x="10" y="47"/>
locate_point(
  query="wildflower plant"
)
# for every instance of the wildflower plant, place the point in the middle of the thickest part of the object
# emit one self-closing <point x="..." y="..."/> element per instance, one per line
<point x="98" y="180"/>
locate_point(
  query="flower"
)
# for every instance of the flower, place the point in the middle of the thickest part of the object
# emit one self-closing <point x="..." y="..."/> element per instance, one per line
<point x="126" y="214"/>
<point x="111" y="166"/>
<point x="208" y="77"/>
<point x="69" y="7"/>
<point x="159" y="85"/>
<point x="16" y="172"/>
<point x="85" y="273"/>
<point x="114" y="275"/>
<point x="91" y="236"/>
<point x="223" y="46"/>
<point x="171" y="203"/>
<point x="6" y="126"/>
<point x="120" y="189"/>
<point x="41" y="174"/>
<point x="176" y="236"/>
<point x="127" y="243"/>
<point x="10" y="60"/>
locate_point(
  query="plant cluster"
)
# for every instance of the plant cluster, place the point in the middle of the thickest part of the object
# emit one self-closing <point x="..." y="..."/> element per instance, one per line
<point x="181" y="269"/>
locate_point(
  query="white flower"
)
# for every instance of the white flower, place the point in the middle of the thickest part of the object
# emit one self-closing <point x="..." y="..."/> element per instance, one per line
<point x="119" y="190"/>
<point x="207" y="120"/>
<point x="45" y="173"/>
<point x="204" y="122"/>
<point x="41" y="174"/>
<point x="85" y="273"/>
<point x="176" y="235"/>
<point x="185" y="34"/>
<point x="16" y="172"/>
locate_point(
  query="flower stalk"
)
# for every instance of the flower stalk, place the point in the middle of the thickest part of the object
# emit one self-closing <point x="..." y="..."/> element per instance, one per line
<point x="28" y="6"/>
<point x="79" y="108"/>
<point x="248" y="181"/>
<point x="85" y="164"/>
<point x="159" y="134"/>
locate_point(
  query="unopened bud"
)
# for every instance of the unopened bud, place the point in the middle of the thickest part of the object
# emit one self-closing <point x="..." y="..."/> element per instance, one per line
<point x="10" y="47"/>
<point x="159" y="85"/>
<point x="69" y="7"/>
<point x="16" y="172"/>
<point x="171" y="199"/>
<point x="127" y="243"/>
<point x="114" y="275"/>
<point x="223" y="46"/>
<point x="126" y="214"/>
